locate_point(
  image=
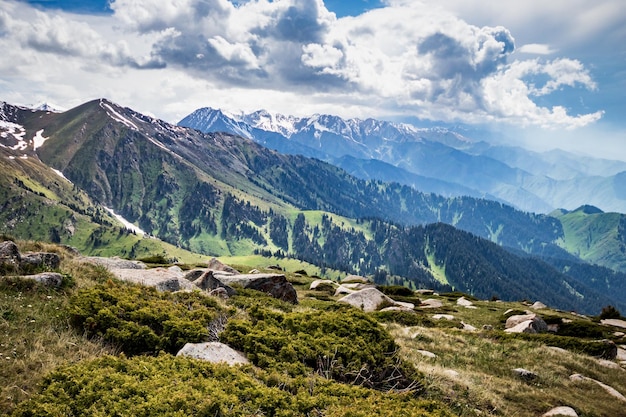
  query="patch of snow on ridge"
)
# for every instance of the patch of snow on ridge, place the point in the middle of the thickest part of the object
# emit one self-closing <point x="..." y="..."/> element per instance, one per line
<point x="60" y="174"/>
<point x="125" y="222"/>
<point x="39" y="139"/>
<point x="118" y="117"/>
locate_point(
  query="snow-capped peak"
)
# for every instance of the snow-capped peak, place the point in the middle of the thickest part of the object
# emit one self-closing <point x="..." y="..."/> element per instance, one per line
<point x="52" y="108"/>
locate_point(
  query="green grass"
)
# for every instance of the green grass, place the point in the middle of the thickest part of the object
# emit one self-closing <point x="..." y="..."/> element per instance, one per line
<point x="54" y="366"/>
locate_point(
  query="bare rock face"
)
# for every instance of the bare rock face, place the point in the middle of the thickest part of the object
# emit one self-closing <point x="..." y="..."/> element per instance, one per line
<point x="13" y="261"/>
<point x="214" y="352"/>
<point x="275" y="285"/>
<point x="525" y="374"/>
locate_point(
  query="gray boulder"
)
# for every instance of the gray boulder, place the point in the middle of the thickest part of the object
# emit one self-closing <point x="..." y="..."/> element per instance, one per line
<point x="355" y="279"/>
<point x="216" y="265"/>
<point x="40" y="260"/>
<point x="431" y="303"/>
<point x="527" y="323"/>
<point x="561" y="411"/>
<point x="49" y="279"/>
<point x="214" y="352"/>
<point x="208" y="282"/>
<point x="275" y="285"/>
<point x="368" y="299"/>
<point x="525" y="374"/>
<point x="10" y="254"/>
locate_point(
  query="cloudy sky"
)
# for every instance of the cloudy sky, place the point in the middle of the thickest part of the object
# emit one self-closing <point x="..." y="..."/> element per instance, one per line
<point x="543" y="73"/>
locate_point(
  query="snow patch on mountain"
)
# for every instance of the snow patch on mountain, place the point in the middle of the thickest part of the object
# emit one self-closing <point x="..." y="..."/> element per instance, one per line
<point x="39" y="139"/>
<point x="125" y="222"/>
<point x="117" y="116"/>
<point x="60" y="174"/>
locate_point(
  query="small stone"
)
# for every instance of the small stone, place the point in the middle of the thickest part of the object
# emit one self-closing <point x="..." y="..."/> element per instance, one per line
<point x="443" y="316"/>
<point x="525" y="374"/>
<point x="427" y="354"/>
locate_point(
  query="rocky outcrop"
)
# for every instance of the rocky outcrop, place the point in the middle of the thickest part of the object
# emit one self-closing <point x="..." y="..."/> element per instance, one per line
<point x="208" y="282"/>
<point x="114" y="262"/>
<point x="12" y="261"/>
<point x="355" y="279"/>
<point x="214" y="352"/>
<point x="527" y="323"/>
<point x="163" y="279"/>
<point x="525" y="374"/>
<point x="371" y="299"/>
<point x="275" y="285"/>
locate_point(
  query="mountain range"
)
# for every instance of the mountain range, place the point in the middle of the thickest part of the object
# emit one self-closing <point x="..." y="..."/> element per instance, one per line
<point x="439" y="160"/>
<point x="225" y="194"/>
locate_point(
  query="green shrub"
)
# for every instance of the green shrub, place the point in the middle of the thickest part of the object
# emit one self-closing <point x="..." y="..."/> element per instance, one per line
<point x="139" y="319"/>
<point x="347" y="346"/>
<point x="393" y="290"/>
<point x="610" y="312"/>
<point x="596" y="348"/>
<point x="170" y="386"/>
<point x="404" y="318"/>
<point x="582" y="328"/>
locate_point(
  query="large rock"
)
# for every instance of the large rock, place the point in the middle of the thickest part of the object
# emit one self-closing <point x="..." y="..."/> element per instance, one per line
<point x="214" y="352"/>
<point x="10" y="254"/>
<point x="275" y="285"/>
<point x="610" y="390"/>
<point x="431" y="303"/>
<point x="368" y="299"/>
<point x="44" y="260"/>
<point x="355" y="279"/>
<point x="614" y="323"/>
<point x="323" y="285"/>
<point x="216" y="265"/>
<point x="208" y="282"/>
<point x="561" y="411"/>
<point x="163" y="279"/>
<point x="464" y="302"/>
<point x="49" y="279"/>
<point x="527" y="323"/>
<point x="114" y="263"/>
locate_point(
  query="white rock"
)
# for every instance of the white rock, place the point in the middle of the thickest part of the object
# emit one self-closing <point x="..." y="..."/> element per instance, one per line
<point x="614" y="322"/>
<point x="464" y="302"/>
<point x="561" y="411"/>
<point x="426" y="353"/>
<point x="608" y="364"/>
<point x="214" y="352"/>
<point x="368" y="299"/>
<point x="610" y="390"/>
<point x="431" y="303"/>
<point x="343" y="290"/>
<point x="468" y="327"/>
<point x="443" y="316"/>
<point x="319" y="282"/>
<point x="538" y="305"/>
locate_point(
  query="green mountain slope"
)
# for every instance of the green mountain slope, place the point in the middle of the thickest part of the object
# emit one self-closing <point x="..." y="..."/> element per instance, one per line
<point x="595" y="236"/>
<point x="219" y="194"/>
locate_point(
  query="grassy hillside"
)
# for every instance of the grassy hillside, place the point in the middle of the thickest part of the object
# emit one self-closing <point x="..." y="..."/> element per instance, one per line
<point x="595" y="236"/>
<point x="50" y="367"/>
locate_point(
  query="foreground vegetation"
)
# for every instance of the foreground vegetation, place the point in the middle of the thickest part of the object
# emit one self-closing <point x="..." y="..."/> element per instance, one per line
<point x="98" y="347"/>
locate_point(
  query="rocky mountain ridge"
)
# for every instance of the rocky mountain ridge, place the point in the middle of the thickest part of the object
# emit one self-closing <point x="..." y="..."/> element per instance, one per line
<point x="531" y="181"/>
